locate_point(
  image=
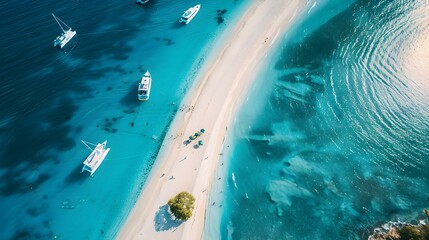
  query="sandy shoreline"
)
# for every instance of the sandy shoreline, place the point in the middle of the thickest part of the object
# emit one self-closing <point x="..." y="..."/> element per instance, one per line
<point x="210" y="104"/>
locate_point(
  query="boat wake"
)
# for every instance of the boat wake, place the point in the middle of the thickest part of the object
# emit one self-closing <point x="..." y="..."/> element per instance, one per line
<point x="233" y="180"/>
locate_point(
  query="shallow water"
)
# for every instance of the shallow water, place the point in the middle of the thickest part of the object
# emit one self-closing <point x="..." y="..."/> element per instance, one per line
<point x="51" y="99"/>
<point x="341" y="142"/>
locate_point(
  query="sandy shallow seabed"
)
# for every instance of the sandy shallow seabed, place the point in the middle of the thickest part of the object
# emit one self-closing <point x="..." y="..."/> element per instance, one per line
<point x="210" y="104"/>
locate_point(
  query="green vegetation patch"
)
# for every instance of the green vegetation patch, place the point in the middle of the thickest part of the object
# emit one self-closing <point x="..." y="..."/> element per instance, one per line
<point x="182" y="205"/>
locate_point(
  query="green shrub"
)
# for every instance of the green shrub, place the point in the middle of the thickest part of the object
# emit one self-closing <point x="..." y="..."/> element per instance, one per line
<point x="424" y="231"/>
<point x="182" y="205"/>
<point x="410" y="233"/>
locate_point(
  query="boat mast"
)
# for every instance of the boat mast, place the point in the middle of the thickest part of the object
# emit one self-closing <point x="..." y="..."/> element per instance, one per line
<point x="87" y="144"/>
<point x="59" y="21"/>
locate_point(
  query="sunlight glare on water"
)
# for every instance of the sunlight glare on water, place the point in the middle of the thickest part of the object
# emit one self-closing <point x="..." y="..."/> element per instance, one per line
<point x="342" y="143"/>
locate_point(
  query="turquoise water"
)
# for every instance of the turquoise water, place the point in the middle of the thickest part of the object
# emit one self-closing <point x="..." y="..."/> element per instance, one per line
<point x="51" y="99"/>
<point x="335" y="144"/>
<point x="340" y="143"/>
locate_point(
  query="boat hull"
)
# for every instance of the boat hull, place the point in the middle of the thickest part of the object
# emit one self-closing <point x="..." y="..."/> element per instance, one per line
<point x="187" y="17"/>
<point x="64" y="38"/>
<point x="144" y="87"/>
<point x="94" y="160"/>
<point x="141" y="2"/>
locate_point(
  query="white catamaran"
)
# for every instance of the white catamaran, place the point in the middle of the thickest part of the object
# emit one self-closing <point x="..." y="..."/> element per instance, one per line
<point x="144" y="87"/>
<point x="189" y="14"/>
<point x="66" y="36"/>
<point x="93" y="161"/>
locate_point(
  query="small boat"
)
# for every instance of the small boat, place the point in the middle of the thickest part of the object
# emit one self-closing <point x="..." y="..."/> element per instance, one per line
<point x="93" y="161"/>
<point x="141" y="2"/>
<point x="66" y="36"/>
<point x="189" y="14"/>
<point x="144" y="87"/>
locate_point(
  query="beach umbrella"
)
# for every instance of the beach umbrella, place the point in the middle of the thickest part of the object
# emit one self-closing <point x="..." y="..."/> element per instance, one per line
<point x="197" y="134"/>
<point x="200" y="143"/>
<point x="202" y="130"/>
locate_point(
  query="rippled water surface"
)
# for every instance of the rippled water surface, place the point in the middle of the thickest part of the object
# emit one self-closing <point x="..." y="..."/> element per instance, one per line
<point x="342" y="142"/>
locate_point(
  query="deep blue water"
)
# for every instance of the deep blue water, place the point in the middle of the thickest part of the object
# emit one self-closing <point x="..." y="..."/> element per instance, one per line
<point x="50" y="99"/>
<point x="340" y="144"/>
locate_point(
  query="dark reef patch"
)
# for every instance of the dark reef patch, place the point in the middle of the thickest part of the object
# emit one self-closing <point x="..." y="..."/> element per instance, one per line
<point x="108" y="124"/>
<point x="167" y="41"/>
<point x="141" y="69"/>
<point x="36" y="211"/>
<point x="21" y="235"/>
<point x="219" y="17"/>
<point x="119" y="69"/>
<point x="41" y="126"/>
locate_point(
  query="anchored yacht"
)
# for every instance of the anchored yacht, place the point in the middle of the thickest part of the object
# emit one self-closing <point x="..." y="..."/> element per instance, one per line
<point x="189" y="14"/>
<point x="144" y="87"/>
<point x="94" y="160"/>
<point x="66" y="36"/>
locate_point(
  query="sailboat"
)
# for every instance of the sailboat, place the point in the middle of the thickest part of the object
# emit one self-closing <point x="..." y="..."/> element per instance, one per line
<point x="66" y="36"/>
<point x="94" y="160"/>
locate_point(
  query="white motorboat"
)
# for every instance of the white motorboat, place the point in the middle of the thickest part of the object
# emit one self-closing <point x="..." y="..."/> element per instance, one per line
<point x="144" y="87"/>
<point x="189" y="14"/>
<point x="66" y="36"/>
<point x="94" y="160"/>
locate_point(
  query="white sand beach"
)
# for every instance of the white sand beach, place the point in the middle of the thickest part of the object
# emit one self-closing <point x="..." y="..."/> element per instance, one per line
<point x="210" y="104"/>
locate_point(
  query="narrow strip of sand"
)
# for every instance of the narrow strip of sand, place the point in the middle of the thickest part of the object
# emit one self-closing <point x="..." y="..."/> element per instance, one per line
<point x="210" y="104"/>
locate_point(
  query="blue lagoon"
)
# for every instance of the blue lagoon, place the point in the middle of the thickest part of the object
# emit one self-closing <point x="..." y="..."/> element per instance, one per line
<point x="338" y="143"/>
<point x="51" y="99"/>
